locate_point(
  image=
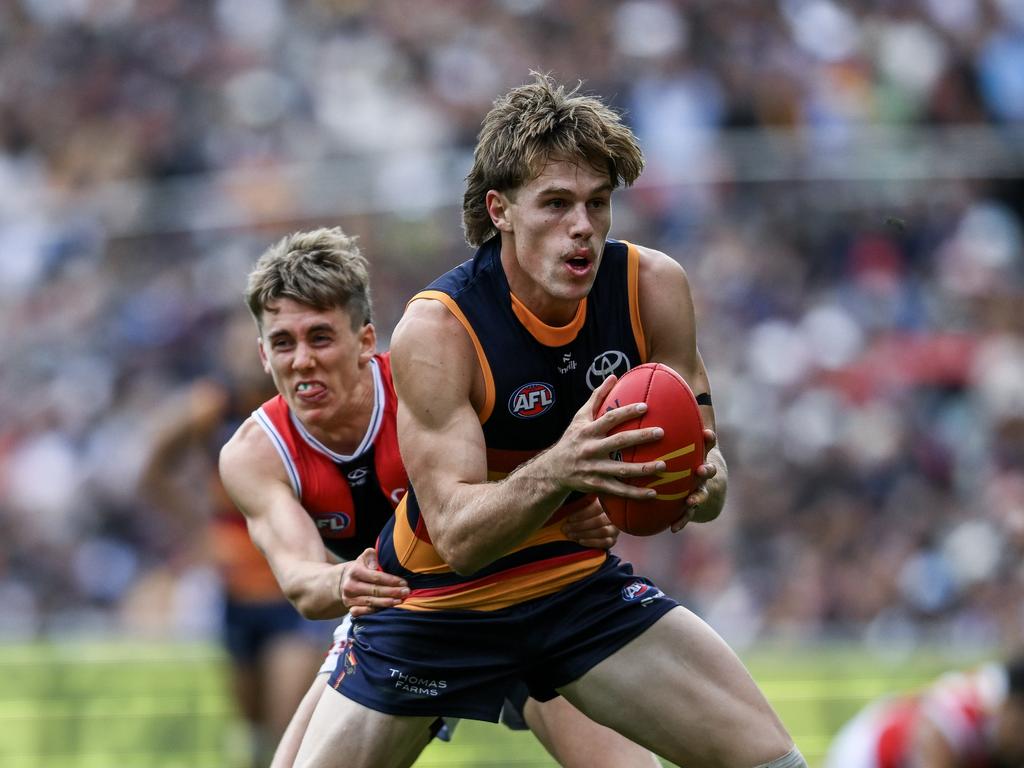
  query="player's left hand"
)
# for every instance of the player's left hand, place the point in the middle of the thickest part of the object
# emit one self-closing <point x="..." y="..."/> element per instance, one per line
<point x="364" y="588"/>
<point x="708" y="497"/>
<point x="590" y="527"/>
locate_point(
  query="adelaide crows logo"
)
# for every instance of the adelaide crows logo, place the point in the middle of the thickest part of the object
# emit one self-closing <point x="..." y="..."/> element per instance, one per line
<point x="531" y="400"/>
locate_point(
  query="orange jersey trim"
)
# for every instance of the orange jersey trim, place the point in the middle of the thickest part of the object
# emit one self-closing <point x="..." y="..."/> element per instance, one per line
<point x="549" y="335"/>
<point x="415" y="552"/>
<point x="485" y="411"/>
<point x="511" y="587"/>
<point x="633" y="256"/>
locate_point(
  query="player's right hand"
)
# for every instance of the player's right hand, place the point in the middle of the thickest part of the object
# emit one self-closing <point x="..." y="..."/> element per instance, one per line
<point x="582" y="457"/>
<point x="706" y="500"/>
<point x="364" y="588"/>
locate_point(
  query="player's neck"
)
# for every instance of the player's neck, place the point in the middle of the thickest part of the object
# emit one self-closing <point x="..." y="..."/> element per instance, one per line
<point x="344" y="429"/>
<point x="540" y="300"/>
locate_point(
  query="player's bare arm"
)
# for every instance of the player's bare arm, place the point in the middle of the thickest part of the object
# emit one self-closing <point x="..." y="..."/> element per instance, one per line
<point x="254" y="477"/>
<point x="670" y="326"/>
<point x="473" y="522"/>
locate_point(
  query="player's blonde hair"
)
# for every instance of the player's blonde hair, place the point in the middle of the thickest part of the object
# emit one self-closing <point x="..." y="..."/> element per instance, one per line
<point x="321" y="268"/>
<point x="532" y="124"/>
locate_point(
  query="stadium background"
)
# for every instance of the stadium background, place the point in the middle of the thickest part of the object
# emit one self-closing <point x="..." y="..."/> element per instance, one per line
<point x="842" y="181"/>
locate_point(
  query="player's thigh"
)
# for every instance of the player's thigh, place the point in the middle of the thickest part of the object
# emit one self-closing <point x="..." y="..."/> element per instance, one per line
<point x="344" y="732"/>
<point x="681" y="691"/>
<point x="288" y="747"/>
<point x="576" y="741"/>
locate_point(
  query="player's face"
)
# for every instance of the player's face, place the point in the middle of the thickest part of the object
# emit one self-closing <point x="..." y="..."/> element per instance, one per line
<point x="316" y="359"/>
<point x="556" y="225"/>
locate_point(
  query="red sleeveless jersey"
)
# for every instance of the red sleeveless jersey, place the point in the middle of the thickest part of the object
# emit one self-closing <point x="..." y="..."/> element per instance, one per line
<point x="960" y="705"/>
<point x="350" y="498"/>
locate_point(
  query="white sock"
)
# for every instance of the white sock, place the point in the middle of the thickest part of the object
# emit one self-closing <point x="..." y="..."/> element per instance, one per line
<point x="792" y="759"/>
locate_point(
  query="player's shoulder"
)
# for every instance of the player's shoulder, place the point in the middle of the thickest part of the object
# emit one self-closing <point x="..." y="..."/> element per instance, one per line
<point x="249" y="449"/>
<point x="433" y="352"/>
<point x="659" y="274"/>
<point x="428" y="317"/>
<point x="657" y="262"/>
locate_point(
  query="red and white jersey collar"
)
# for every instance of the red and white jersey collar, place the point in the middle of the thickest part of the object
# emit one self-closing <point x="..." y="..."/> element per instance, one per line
<point x="376" y="419"/>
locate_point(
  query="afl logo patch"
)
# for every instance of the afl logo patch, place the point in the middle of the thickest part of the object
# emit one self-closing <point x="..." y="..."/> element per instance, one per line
<point x="639" y="591"/>
<point x="531" y="400"/>
<point x="334" y="524"/>
<point x="604" y="365"/>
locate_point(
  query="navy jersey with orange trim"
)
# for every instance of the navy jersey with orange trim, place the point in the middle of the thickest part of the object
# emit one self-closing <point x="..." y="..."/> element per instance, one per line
<point x="350" y="498"/>
<point x="536" y="378"/>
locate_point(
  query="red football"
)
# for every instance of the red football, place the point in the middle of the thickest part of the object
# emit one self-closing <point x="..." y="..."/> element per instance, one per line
<point x="672" y="406"/>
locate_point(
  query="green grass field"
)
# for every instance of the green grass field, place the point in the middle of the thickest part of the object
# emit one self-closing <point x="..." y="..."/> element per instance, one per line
<point x="112" y="705"/>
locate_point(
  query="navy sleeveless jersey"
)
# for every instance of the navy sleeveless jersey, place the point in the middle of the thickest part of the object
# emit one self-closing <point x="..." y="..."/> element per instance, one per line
<point x="536" y="378"/>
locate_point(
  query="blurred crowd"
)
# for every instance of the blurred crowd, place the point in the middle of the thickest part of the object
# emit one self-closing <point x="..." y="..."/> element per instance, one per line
<point x="844" y="182"/>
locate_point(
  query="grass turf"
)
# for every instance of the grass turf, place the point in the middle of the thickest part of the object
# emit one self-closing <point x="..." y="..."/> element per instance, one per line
<point x="119" y="705"/>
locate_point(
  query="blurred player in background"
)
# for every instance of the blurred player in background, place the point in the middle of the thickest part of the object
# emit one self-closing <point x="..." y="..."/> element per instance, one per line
<point x="498" y="593"/>
<point x="317" y="473"/>
<point x="972" y="719"/>
<point x="272" y="649"/>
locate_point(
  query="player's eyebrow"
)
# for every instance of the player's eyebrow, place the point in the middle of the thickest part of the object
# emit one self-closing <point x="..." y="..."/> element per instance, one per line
<point x="603" y="189"/>
<point x="280" y="333"/>
<point x="317" y="328"/>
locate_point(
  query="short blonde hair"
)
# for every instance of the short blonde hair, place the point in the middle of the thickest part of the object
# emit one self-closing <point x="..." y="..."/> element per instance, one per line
<point x="533" y="123"/>
<point x="322" y="268"/>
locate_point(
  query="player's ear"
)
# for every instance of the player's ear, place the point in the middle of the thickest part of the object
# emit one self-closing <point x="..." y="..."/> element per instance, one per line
<point x="263" y="355"/>
<point x="498" y="207"/>
<point x="367" y="343"/>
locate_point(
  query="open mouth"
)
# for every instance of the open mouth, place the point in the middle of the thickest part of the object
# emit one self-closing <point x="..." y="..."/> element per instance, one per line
<point x="578" y="264"/>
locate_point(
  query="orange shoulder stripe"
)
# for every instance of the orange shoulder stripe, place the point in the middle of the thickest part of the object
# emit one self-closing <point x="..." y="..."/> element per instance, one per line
<point x="634" y="300"/>
<point x="485" y="411"/>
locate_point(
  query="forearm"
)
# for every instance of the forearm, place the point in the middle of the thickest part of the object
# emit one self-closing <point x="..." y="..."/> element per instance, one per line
<point x="314" y="588"/>
<point x="477" y="523"/>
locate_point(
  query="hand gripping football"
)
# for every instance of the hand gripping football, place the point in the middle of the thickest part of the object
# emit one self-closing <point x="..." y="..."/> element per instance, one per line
<point x="672" y="406"/>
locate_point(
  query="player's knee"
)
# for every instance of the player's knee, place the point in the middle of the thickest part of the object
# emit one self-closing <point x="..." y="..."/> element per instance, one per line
<point x="792" y="759"/>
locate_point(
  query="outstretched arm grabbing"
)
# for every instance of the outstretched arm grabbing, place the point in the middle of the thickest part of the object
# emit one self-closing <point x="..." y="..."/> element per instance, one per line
<point x="255" y="479"/>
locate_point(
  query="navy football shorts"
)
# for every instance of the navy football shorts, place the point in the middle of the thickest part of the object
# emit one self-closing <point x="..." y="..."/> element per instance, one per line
<point x="442" y="728"/>
<point x="513" y="709"/>
<point x="465" y="663"/>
